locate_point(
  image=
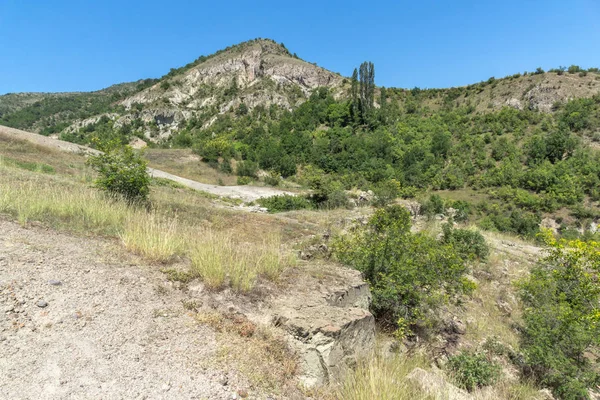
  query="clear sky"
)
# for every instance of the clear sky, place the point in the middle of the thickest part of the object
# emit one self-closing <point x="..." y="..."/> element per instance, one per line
<point x="80" y="45"/>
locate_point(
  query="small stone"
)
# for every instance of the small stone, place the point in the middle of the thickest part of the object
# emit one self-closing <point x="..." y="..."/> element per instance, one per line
<point x="242" y="393"/>
<point x="54" y="282"/>
<point x="224" y="381"/>
<point x="42" y="304"/>
<point x="9" y="309"/>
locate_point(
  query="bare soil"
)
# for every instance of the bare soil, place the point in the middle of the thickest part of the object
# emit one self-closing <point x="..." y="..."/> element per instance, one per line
<point x="78" y="319"/>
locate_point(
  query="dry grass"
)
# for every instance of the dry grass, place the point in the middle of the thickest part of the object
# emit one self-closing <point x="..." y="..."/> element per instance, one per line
<point x="59" y="203"/>
<point x="266" y="360"/>
<point x="509" y="390"/>
<point x="180" y="224"/>
<point x="21" y="151"/>
<point x="378" y="377"/>
<point x="152" y="236"/>
<point x="218" y="259"/>
<point x="184" y="163"/>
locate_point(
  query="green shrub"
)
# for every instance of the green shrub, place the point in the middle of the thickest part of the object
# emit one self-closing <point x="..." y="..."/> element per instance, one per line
<point x="463" y="209"/>
<point x="244" y="180"/>
<point x="284" y="202"/>
<point x="469" y="244"/>
<point x="272" y="179"/>
<point x="386" y="192"/>
<point x="434" y="205"/>
<point x="326" y="192"/>
<point x="247" y="168"/>
<point x="561" y="315"/>
<point x="121" y="172"/>
<point x="473" y="370"/>
<point x="225" y="166"/>
<point x="411" y="275"/>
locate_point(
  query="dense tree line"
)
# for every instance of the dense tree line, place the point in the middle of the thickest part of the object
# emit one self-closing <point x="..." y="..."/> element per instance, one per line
<point x="529" y="161"/>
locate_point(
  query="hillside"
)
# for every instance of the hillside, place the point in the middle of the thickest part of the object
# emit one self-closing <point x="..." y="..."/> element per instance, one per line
<point x="522" y="143"/>
<point x="261" y="73"/>
<point x="378" y="242"/>
<point x="257" y="73"/>
<point x="51" y="113"/>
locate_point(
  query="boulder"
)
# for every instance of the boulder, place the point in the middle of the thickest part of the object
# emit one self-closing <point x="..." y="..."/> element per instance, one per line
<point x="329" y="326"/>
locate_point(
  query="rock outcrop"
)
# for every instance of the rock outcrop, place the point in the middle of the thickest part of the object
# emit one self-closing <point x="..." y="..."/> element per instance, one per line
<point x="255" y="73"/>
<point x="329" y="326"/>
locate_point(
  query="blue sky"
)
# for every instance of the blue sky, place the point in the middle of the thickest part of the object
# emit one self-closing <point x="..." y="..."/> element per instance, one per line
<point x="78" y="45"/>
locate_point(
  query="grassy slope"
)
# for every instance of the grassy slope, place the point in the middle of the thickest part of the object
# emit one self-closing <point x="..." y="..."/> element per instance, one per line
<point x="493" y="96"/>
<point x="184" y="163"/>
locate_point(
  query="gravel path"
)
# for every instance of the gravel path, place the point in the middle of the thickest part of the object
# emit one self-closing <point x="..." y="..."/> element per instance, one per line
<point x="246" y="193"/>
<point x="77" y="322"/>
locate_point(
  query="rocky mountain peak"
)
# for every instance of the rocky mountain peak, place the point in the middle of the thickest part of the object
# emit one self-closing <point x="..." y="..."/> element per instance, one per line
<point x="255" y="73"/>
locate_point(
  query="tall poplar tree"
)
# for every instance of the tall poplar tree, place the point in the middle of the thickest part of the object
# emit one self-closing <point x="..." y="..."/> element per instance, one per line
<point x="367" y="88"/>
<point x="354" y="93"/>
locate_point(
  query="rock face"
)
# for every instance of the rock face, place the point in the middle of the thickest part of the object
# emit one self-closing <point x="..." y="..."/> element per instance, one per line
<point x="543" y="97"/>
<point x="329" y="331"/>
<point x="255" y="73"/>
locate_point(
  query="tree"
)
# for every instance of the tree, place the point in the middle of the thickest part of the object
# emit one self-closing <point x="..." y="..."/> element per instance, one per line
<point x="411" y="275"/>
<point x="561" y="318"/>
<point x="383" y="105"/>
<point x="354" y="93"/>
<point x="367" y="88"/>
<point x="122" y="172"/>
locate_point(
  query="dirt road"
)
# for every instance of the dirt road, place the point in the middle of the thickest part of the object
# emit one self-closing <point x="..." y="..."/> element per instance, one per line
<point x="246" y="193"/>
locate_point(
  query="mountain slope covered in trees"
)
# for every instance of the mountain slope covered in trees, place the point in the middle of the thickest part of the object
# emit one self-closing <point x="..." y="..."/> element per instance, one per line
<point x="509" y="152"/>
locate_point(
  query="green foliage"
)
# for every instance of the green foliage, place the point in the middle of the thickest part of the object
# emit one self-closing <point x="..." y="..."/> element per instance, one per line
<point x="121" y="172"/>
<point x="272" y="179"/>
<point x="285" y="202"/>
<point x="462" y="210"/>
<point x="30" y="166"/>
<point x="434" y="205"/>
<point x="386" y="192"/>
<point x="411" y="275"/>
<point x="52" y="114"/>
<point x="367" y="88"/>
<point x="474" y="370"/>
<point x="247" y="168"/>
<point x="532" y="162"/>
<point x="469" y="244"/>
<point x="522" y="223"/>
<point x="561" y="318"/>
<point x="244" y="180"/>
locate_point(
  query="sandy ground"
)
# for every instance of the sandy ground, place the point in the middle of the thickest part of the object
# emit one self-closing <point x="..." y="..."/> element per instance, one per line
<point x="79" y="322"/>
<point x="246" y="193"/>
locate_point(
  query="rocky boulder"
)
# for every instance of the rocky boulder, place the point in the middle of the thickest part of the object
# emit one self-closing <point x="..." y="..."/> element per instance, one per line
<point x="330" y="326"/>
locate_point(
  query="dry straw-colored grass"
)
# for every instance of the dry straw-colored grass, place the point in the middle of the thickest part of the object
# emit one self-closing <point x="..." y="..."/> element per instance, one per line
<point x="218" y="259"/>
<point x="157" y="235"/>
<point x="379" y="377"/>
